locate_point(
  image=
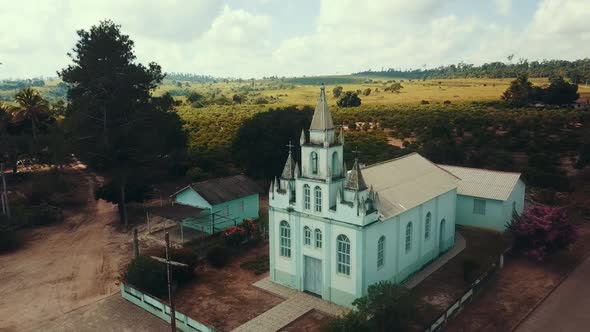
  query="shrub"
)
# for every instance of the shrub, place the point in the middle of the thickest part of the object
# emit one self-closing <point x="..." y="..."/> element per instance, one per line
<point x="470" y="268"/>
<point x="147" y="275"/>
<point x="541" y="231"/>
<point x="180" y="274"/>
<point x="424" y="102"/>
<point x="9" y="239"/>
<point x="218" y="257"/>
<point x="351" y="322"/>
<point x="234" y="235"/>
<point x="259" y="265"/>
<point x="349" y="99"/>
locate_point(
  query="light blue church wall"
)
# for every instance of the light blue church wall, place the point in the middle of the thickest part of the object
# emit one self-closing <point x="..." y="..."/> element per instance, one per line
<point x="497" y="213"/>
<point x="399" y="263"/>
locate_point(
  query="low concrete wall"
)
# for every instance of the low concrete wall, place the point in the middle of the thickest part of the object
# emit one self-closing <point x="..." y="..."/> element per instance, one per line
<point x="159" y="309"/>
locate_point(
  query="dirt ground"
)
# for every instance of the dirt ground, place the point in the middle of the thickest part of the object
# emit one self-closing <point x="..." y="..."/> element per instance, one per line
<point x="63" y="266"/>
<point x="312" y="321"/>
<point x="444" y="286"/>
<point x="518" y="288"/>
<point x="225" y="298"/>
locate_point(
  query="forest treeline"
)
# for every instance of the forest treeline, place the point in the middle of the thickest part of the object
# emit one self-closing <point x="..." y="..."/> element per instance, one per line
<point x="577" y="71"/>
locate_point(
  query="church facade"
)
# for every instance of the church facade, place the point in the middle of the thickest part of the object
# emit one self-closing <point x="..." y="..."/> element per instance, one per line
<point x="333" y="232"/>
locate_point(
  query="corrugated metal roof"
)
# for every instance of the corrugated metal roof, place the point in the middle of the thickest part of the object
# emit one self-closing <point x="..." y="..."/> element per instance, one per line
<point x="407" y="182"/>
<point x="220" y="190"/>
<point x="484" y="183"/>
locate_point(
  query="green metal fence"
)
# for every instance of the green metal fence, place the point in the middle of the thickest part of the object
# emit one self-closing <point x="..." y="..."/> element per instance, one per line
<point x="161" y="310"/>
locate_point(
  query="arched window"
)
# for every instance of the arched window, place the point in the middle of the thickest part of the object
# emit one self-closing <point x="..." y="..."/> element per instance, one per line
<point x="285" y="239"/>
<point x="307" y="236"/>
<point x="409" y="237"/>
<point x="306" y="197"/>
<point x="335" y="164"/>
<point x="318" y="238"/>
<point x="318" y="199"/>
<point x="427" y="226"/>
<point x="314" y="163"/>
<point x="381" y="252"/>
<point x="343" y="254"/>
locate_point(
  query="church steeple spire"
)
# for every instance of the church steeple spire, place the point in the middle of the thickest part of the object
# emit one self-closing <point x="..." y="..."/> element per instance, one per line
<point x="355" y="180"/>
<point x="322" y="119"/>
<point x="289" y="169"/>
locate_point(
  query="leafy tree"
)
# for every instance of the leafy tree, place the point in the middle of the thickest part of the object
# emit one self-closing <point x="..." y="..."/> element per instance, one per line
<point x="113" y="115"/>
<point x="31" y="107"/>
<point x="148" y="275"/>
<point x="386" y="307"/>
<point x="541" y="231"/>
<point x="520" y="92"/>
<point x="259" y="138"/>
<point x="239" y="99"/>
<point x="349" y="99"/>
<point x="560" y="92"/>
<point x="337" y="91"/>
<point x="194" y="96"/>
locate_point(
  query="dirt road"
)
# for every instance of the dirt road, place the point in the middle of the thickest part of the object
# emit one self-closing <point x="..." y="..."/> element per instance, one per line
<point x="64" y="266"/>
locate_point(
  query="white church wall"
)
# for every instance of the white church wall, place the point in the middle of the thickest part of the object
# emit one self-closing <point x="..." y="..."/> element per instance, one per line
<point x="345" y="288"/>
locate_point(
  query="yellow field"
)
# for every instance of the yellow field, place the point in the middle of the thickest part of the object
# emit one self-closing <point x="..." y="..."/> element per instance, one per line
<point x="433" y="91"/>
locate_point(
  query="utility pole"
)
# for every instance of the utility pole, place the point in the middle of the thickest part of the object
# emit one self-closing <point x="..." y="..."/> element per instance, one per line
<point x="5" y="206"/>
<point x="168" y="262"/>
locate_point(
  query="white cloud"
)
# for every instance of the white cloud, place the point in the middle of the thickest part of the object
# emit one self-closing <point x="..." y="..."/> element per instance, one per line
<point x="503" y="7"/>
<point x="210" y="37"/>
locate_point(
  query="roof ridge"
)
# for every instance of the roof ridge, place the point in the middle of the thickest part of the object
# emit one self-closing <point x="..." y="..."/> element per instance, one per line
<point x="390" y="160"/>
<point x="218" y="179"/>
<point x="480" y="169"/>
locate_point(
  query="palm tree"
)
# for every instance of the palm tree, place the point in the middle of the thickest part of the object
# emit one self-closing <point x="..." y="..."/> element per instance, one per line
<point x="31" y="107"/>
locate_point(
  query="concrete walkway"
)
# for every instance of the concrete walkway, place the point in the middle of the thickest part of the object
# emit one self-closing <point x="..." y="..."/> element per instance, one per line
<point x="111" y="314"/>
<point x="295" y="305"/>
<point x="567" y="308"/>
<point x="438" y="263"/>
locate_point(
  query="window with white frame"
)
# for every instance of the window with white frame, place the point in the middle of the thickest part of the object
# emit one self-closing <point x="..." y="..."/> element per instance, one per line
<point x="314" y="163"/>
<point x="343" y="254"/>
<point x="427" y="226"/>
<point x="318" y="238"/>
<point x="318" y="199"/>
<point x="306" y="197"/>
<point x="409" y="237"/>
<point x="285" y="239"/>
<point x="306" y="236"/>
<point x="479" y="206"/>
<point x="241" y="207"/>
<point x="381" y="252"/>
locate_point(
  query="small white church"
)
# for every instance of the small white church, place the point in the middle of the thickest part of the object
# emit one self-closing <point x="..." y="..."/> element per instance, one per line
<point x="334" y="232"/>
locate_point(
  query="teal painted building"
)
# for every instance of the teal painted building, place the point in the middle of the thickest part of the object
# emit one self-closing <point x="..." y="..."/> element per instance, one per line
<point x="334" y="232"/>
<point x="487" y="199"/>
<point x="225" y="202"/>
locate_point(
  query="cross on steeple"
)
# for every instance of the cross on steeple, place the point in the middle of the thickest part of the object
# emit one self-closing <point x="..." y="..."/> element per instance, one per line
<point x="290" y="146"/>
<point x="356" y="153"/>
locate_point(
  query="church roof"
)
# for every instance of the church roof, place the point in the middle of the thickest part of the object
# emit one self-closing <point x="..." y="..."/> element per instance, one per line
<point x="406" y="182"/>
<point x="225" y="189"/>
<point x="322" y="119"/>
<point x="484" y="183"/>
<point x="354" y="179"/>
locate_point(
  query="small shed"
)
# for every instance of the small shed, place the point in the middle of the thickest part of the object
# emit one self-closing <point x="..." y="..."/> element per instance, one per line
<point x="225" y="202"/>
<point x="486" y="198"/>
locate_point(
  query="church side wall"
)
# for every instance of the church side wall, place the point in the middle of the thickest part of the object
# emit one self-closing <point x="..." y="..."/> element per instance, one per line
<point x="399" y="264"/>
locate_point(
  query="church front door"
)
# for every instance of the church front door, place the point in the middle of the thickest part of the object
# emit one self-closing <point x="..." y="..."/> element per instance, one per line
<point x="312" y="282"/>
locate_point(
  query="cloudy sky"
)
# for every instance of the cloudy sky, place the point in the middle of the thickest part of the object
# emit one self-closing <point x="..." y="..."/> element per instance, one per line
<point x="254" y="38"/>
